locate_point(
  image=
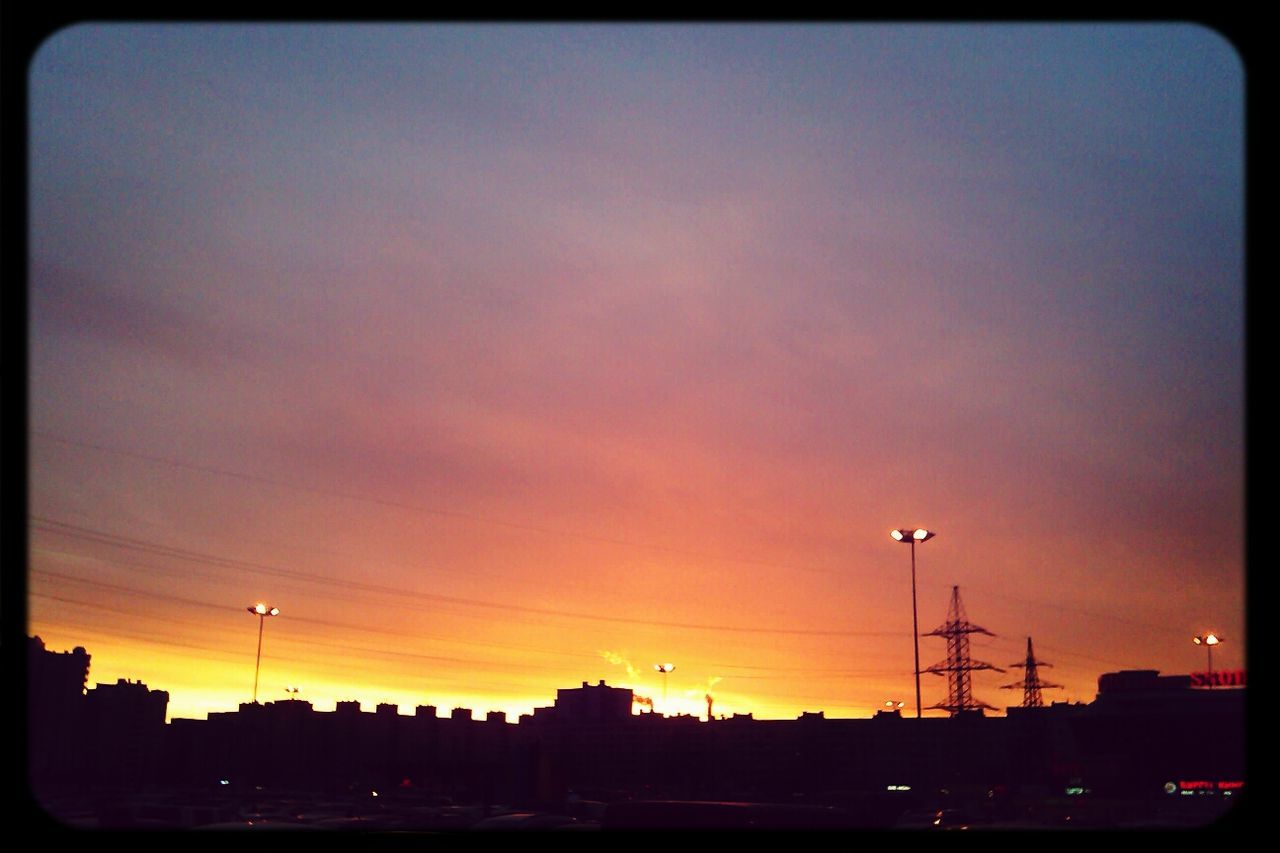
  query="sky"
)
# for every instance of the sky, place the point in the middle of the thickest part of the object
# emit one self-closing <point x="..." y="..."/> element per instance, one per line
<point x="502" y="358"/>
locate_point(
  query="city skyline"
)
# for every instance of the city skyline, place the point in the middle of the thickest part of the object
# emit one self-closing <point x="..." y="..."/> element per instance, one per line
<point x="504" y="358"/>
<point x="1197" y="680"/>
<point x="1151" y="750"/>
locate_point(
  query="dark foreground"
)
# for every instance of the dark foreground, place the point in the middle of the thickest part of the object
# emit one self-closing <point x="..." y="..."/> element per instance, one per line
<point x="402" y="812"/>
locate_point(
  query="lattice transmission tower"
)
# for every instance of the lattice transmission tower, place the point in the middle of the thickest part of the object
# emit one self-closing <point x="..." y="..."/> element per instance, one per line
<point x="959" y="665"/>
<point x="1031" y="684"/>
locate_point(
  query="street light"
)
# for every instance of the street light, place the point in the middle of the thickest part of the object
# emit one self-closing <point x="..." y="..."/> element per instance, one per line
<point x="262" y="611"/>
<point x="1208" y="640"/>
<point x="914" y="536"/>
<point x="664" y="668"/>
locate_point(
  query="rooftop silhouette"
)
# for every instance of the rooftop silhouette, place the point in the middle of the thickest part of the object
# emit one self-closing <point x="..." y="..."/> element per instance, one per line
<point x="1143" y="733"/>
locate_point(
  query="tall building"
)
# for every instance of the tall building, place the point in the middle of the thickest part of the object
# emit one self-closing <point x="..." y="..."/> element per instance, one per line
<point x="593" y="703"/>
<point x="55" y="708"/>
<point x="1147" y="731"/>
<point x="126" y="721"/>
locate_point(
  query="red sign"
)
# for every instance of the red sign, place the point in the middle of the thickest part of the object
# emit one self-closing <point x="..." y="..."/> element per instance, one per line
<point x="1206" y="785"/>
<point x="1222" y="678"/>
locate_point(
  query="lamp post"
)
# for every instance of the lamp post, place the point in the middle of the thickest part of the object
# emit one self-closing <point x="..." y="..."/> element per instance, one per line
<point x="1208" y="640"/>
<point x="262" y="611"/>
<point x="664" y="668"/>
<point x="912" y="537"/>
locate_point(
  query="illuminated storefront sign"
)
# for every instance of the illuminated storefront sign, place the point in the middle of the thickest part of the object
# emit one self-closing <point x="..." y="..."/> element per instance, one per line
<point x="1191" y="787"/>
<point x="1220" y="678"/>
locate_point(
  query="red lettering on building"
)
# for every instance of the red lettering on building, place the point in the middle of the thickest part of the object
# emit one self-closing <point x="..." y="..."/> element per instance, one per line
<point x="1219" y="678"/>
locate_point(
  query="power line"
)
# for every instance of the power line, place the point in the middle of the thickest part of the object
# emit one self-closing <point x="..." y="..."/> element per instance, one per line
<point x="283" y="639"/>
<point x="129" y="543"/>
<point x="293" y="618"/>
<point x="330" y="663"/>
<point x="515" y="525"/>
<point x="354" y="651"/>
<point x="466" y="684"/>
<point x="329" y="623"/>
<point x="778" y="672"/>
<point x="160" y="549"/>
<point x="1111" y="617"/>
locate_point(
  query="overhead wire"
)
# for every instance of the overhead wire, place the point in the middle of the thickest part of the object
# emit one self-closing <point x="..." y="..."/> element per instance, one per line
<point x="87" y="534"/>
<point x="114" y="540"/>
<point x="45" y="434"/>
<point x="516" y="525"/>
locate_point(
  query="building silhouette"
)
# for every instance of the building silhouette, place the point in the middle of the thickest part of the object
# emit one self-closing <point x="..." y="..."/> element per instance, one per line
<point x="56" y="684"/>
<point x="1143" y="732"/>
<point x="124" y="724"/>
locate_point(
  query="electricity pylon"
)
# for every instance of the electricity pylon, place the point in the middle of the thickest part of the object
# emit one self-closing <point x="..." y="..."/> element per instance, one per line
<point x="958" y="665"/>
<point x="1031" y="684"/>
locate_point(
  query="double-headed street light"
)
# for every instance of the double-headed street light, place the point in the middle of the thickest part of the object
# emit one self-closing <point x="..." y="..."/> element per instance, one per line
<point x="664" y="668"/>
<point x="262" y="611"/>
<point x="1208" y="640"/>
<point x="912" y="537"/>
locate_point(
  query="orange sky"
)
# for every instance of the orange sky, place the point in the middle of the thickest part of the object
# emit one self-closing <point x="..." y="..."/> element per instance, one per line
<point x="501" y="358"/>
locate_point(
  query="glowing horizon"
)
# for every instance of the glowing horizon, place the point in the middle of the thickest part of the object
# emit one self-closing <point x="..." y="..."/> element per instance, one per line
<point x="503" y="358"/>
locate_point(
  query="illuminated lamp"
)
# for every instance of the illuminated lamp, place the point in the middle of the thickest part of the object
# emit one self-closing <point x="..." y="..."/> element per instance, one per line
<point x="1208" y="640"/>
<point x="262" y="611"/>
<point x="664" y="668"/>
<point x="910" y="536"/>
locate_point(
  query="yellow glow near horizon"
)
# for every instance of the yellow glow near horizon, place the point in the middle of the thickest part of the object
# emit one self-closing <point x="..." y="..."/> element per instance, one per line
<point x="200" y="684"/>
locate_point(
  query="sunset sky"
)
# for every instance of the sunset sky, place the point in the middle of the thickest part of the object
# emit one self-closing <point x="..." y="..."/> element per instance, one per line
<point x="504" y="358"/>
